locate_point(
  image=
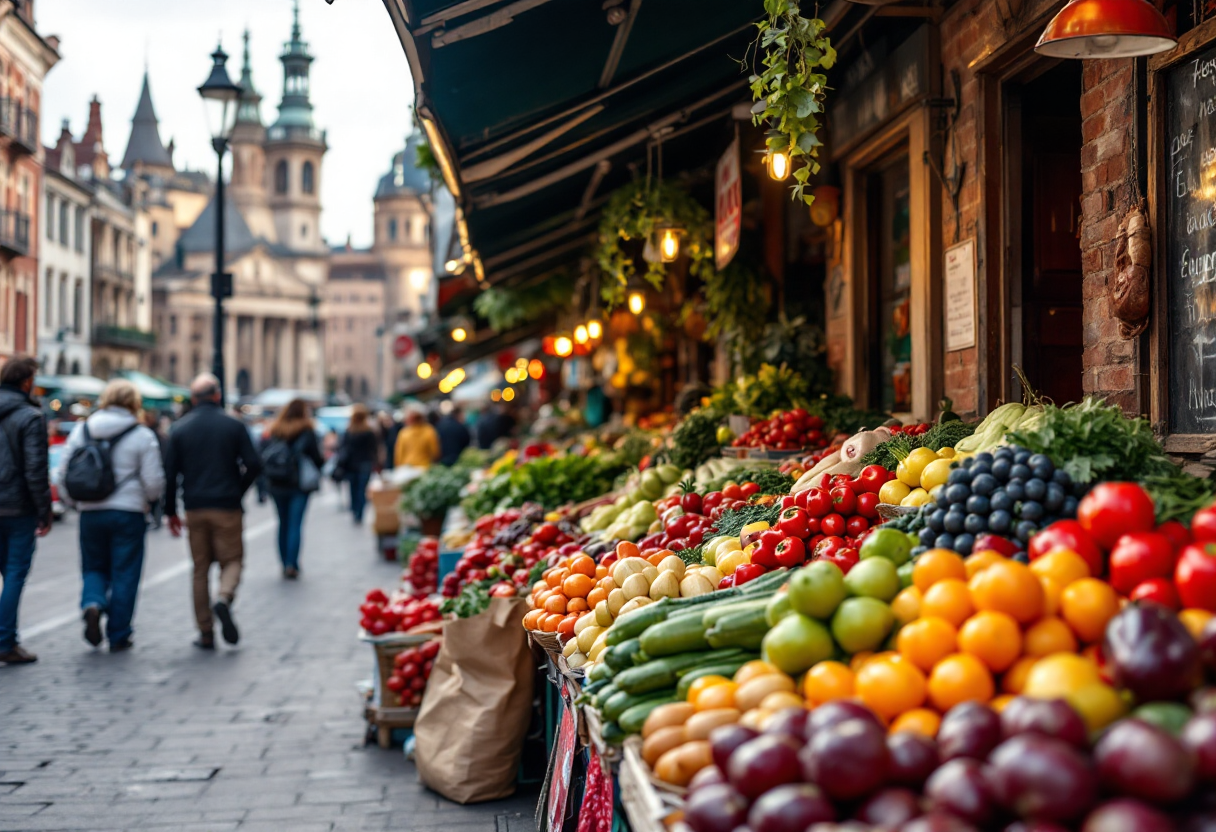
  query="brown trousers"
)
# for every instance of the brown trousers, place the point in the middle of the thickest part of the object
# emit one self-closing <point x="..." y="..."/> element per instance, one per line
<point x="215" y="537"/>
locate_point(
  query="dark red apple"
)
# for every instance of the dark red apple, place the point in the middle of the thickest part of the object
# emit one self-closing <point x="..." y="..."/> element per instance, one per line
<point x="1207" y="647"/>
<point x="764" y="763"/>
<point x="913" y="757"/>
<point x="960" y="787"/>
<point x="790" y="722"/>
<point x="1151" y="653"/>
<point x="1126" y="815"/>
<point x="1135" y="759"/>
<point x="724" y="739"/>
<point x="1038" y="777"/>
<point x="1199" y="737"/>
<point x="716" y="808"/>
<point x="835" y="712"/>
<point x="1046" y="717"/>
<point x="971" y="729"/>
<point x="890" y="808"/>
<point x="708" y="776"/>
<point x="936" y="822"/>
<point x="790" y="808"/>
<point x="848" y="760"/>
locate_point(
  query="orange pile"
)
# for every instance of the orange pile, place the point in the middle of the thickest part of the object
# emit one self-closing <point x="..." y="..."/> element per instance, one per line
<point x="565" y="592"/>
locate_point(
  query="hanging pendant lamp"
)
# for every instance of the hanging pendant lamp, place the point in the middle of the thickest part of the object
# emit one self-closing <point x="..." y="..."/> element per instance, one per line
<point x="1106" y="29"/>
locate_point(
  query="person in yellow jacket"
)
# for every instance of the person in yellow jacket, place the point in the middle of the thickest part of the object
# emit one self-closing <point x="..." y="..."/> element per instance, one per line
<point x="417" y="443"/>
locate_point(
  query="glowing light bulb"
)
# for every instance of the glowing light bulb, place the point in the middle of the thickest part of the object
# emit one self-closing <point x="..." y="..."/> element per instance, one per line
<point x="580" y="334"/>
<point x="509" y="375"/>
<point x="459" y="334"/>
<point x="669" y="246"/>
<point x="563" y="346"/>
<point x="425" y="370"/>
<point x="536" y="369"/>
<point x="451" y="266"/>
<point x="508" y="394"/>
<point x="637" y="302"/>
<point x="595" y="329"/>
<point x="779" y="165"/>
<point x="495" y="395"/>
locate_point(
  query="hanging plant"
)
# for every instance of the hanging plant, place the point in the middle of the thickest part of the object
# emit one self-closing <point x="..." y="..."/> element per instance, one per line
<point x="638" y="211"/>
<point x="790" y="89"/>
<point x="505" y="308"/>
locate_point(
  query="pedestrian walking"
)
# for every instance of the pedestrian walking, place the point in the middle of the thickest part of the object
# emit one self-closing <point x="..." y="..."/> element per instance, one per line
<point x="417" y="443"/>
<point x="25" y="495"/>
<point x="156" y="511"/>
<point x="390" y="427"/>
<point x="112" y="504"/>
<point x="359" y="456"/>
<point x="453" y="435"/>
<point x="292" y="461"/>
<point x="213" y="459"/>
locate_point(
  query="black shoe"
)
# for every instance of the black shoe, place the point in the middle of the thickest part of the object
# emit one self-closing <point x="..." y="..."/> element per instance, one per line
<point x="121" y="645"/>
<point x="205" y="641"/>
<point x="18" y="655"/>
<point x="291" y="573"/>
<point x="227" y="625"/>
<point x="92" y="625"/>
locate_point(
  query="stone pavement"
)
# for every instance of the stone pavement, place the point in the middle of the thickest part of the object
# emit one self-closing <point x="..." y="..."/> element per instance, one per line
<point x="266" y="736"/>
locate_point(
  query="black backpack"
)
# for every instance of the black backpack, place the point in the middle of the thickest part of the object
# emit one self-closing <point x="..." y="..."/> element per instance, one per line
<point x="281" y="463"/>
<point x="90" y="473"/>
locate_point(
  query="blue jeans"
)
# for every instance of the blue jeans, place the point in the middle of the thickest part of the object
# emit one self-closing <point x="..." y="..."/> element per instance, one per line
<point x="17" y="537"/>
<point x="291" y="505"/>
<point x="358" y="490"/>
<point x="111" y="562"/>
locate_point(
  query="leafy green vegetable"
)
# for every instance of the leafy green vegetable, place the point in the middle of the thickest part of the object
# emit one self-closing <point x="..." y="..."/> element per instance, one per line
<point x="731" y="523"/>
<point x="691" y="555"/>
<point x="946" y="434"/>
<point x="551" y="481"/>
<point x="888" y="454"/>
<point x="937" y="437"/>
<point x="695" y="439"/>
<point x="1178" y="495"/>
<point x="841" y="415"/>
<point x="432" y="494"/>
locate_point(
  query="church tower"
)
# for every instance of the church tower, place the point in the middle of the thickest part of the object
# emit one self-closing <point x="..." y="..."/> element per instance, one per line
<point x="294" y="148"/>
<point x="248" y="187"/>
<point x="146" y="155"/>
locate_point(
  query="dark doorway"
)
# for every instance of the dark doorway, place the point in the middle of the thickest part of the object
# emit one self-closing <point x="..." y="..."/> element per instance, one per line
<point x="889" y="286"/>
<point x="1045" y="121"/>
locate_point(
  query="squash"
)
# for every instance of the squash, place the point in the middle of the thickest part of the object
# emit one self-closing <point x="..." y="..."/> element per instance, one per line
<point x="752" y="692"/>
<point x="587" y="638"/>
<point x="603" y="613"/>
<point x="616" y="600"/>
<point x="666" y="585"/>
<point x="635" y="586"/>
<point x="660" y="741"/>
<point x="701" y="723"/>
<point x="695" y="584"/>
<point x="626" y="567"/>
<point x="681" y="764"/>
<point x="677" y="713"/>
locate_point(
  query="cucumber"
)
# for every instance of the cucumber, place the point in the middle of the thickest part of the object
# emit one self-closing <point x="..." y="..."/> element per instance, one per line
<point x="664" y="673"/>
<point x="599" y="672"/>
<point x="769" y="583"/>
<point x="744" y="638"/>
<point x="712" y="616"/>
<point x="676" y="635"/>
<point x="633" y="718"/>
<point x="622" y="701"/>
<point x="603" y="695"/>
<point x="748" y="619"/>
<point x="727" y="669"/>
<point x="621" y="656"/>
<point x="708" y="598"/>
<point x="612" y="733"/>
<point x="590" y="689"/>
<point x="633" y="624"/>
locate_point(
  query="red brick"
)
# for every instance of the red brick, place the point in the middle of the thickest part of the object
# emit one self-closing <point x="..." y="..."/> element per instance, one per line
<point x="1091" y="102"/>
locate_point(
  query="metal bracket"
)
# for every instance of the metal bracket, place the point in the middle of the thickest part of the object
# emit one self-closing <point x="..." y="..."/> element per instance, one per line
<point x="221" y="285"/>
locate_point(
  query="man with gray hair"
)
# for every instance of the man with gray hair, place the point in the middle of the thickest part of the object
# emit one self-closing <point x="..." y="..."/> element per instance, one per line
<point x="212" y="456"/>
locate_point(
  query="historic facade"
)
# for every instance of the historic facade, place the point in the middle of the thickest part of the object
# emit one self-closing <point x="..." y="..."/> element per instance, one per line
<point x="66" y="293"/>
<point x="273" y="245"/>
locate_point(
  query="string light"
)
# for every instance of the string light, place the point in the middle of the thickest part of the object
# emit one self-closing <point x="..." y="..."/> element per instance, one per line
<point x="425" y="370"/>
<point x="637" y="302"/>
<point x="779" y="165"/>
<point x="508" y="394"/>
<point x="563" y="346"/>
<point x="580" y="335"/>
<point x="495" y="395"/>
<point x="595" y="329"/>
<point x="669" y="246"/>
<point x="536" y="369"/>
<point x="459" y="334"/>
<point x="451" y="266"/>
<point x="510" y="375"/>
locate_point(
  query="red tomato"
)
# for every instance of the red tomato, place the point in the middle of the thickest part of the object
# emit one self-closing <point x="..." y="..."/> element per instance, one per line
<point x="1113" y="509"/>
<point x="845" y="557"/>
<point x="1203" y="524"/>
<point x="1138" y="557"/>
<point x="1178" y="534"/>
<point x="1160" y="590"/>
<point x="844" y="500"/>
<point x="818" y="502"/>
<point x="749" y="489"/>
<point x="691" y="502"/>
<point x="732" y="491"/>
<point x="791" y="552"/>
<point x="747" y="572"/>
<point x="833" y="525"/>
<point x="826" y="546"/>
<point x="793" y="522"/>
<point x="867" y="505"/>
<point x="1067" y="534"/>
<point x="1195" y="576"/>
<point x="856" y="526"/>
<point x="873" y="477"/>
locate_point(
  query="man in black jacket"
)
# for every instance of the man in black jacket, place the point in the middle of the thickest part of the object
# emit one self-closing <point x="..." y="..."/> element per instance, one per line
<point x="213" y="457"/>
<point x="25" y="495"/>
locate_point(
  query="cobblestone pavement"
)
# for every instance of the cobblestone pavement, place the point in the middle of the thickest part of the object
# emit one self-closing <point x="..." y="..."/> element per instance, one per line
<point x="265" y="736"/>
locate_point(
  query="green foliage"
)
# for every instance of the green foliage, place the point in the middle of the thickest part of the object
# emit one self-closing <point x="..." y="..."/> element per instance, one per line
<point x="841" y="415"/>
<point x="790" y="88"/>
<point x="797" y="344"/>
<point x="432" y="494"/>
<point x="735" y="303"/>
<point x="636" y="212"/>
<point x="769" y="388"/>
<point x="695" y="439"/>
<point x="424" y="159"/>
<point x="551" y="481"/>
<point x="889" y="453"/>
<point x="508" y="308"/>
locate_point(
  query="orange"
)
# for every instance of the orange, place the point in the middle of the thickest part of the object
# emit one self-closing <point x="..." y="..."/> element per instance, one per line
<point x="981" y="560"/>
<point x="921" y="720"/>
<point x="859" y="659"/>
<point x="937" y="565"/>
<point x="906" y="605"/>
<point x="828" y="681"/>
<point x="577" y="585"/>
<point x="556" y="576"/>
<point x="1087" y="605"/>
<point x="949" y="599"/>
<point x="1062" y="565"/>
<point x="626" y="549"/>
<point x="1009" y="587"/>
<point x="566" y="627"/>
<point x="992" y="637"/>
<point x="1052" y="590"/>
<point x="657" y="558"/>
<point x="998" y="704"/>
<point x="540" y="586"/>
<point x="550" y="622"/>
<point x="703" y="682"/>
<point x="595" y="596"/>
<point x="532" y="619"/>
<point x="601" y="572"/>
<point x="583" y="565"/>
<point x="715" y="696"/>
<point x="1047" y="636"/>
<point x="959" y="678"/>
<point x="890" y="685"/>
<point x="1195" y="620"/>
<point x="555" y="603"/>
<point x="577" y="604"/>
<point x="927" y="641"/>
<point x="542" y="596"/>
<point x="1015" y="677"/>
<point x="1059" y="674"/>
<point x="754" y="669"/>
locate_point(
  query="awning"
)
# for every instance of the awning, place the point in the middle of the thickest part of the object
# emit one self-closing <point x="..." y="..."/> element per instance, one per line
<point x="152" y="390"/>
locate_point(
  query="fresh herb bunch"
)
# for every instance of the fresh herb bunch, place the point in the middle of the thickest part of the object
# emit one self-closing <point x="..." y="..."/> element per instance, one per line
<point x="695" y="439"/>
<point x="508" y="308"/>
<point x="770" y="388"/>
<point x="946" y="434"/>
<point x="635" y="445"/>
<point x="474" y="598"/>
<point x="550" y="481"/>
<point x="437" y="490"/>
<point x="1177" y="495"/>
<point x="485" y="500"/>
<point x="691" y="555"/>
<point x="790" y="89"/>
<point x="889" y="453"/>
<point x="732" y="522"/>
<point x="770" y="480"/>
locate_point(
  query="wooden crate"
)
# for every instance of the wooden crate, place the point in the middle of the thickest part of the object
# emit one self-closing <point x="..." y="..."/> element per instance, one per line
<point x="385" y="720"/>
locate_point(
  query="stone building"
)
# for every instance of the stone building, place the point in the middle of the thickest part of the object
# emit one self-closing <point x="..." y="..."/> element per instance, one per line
<point x="354" y="311"/>
<point x="64" y="321"/>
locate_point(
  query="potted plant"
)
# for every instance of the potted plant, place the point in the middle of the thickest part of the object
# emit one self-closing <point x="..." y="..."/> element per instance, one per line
<point x="430" y="496"/>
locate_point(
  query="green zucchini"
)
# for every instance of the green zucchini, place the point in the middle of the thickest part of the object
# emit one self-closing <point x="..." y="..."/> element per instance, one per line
<point x="633" y="624"/>
<point x="744" y="619"/>
<point x="676" y="635"/>
<point x="599" y="672"/>
<point x="769" y="582"/>
<point x="622" y="701"/>
<point x="632" y="720"/>
<point x="747" y="638"/>
<point x="663" y="673"/>
<point x="621" y="656"/>
<point x="708" y="598"/>
<point x="590" y="688"/>
<point x="712" y="616"/>
<point x="603" y="695"/>
<point x="612" y="733"/>
<point x="727" y="669"/>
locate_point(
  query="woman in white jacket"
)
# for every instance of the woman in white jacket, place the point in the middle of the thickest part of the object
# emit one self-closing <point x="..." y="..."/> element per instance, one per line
<point x="112" y="530"/>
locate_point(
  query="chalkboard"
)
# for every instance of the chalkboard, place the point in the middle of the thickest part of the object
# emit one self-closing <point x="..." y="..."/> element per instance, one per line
<point x="1190" y="243"/>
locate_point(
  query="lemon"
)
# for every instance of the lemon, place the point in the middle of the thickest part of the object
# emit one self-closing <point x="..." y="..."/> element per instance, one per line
<point x="946" y="453"/>
<point x="936" y="473"/>
<point x="917" y="497"/>
<point x="909" y="470"/>
<point x="731" y="561"/>
<point x="893" y="492"/>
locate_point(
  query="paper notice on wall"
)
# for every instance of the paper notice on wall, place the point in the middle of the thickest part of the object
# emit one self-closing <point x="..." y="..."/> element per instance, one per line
<point x="960" y="296"/>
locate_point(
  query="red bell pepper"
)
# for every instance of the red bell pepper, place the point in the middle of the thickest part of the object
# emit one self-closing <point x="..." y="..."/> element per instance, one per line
<point x="765" y="553"/>
<point x="746" y="572"/>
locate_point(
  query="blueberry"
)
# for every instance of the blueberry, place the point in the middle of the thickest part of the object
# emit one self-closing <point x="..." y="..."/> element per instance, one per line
<point x="1061" y="476"/>
<point x="1043" y="472"/>
<point x="1037" y="460"/>
<point x="1032" y="510"/>
<point x="1026" y="530"/>
<point x="917" y="551"/>
<point x="1036" y="489"/>
<point x="975" y="523"/>
<point x="964" y="543"/>
<point x="983" y="457"/>
<point x="957" y="493"/>
<point x="1003" y="452"/>
<point x="1055" y="497"/>
<point x="978" y="504"/>
<point x="1020" y="471"/>
<point x="1069" y="508"/>
<point x="954" y="522"/>
<point x="1000" y="521"/>
<point x="959" y="476"/>
<point x="1021" y="457"/>
<point x="980" y="468"/>
<point x="1016" y="490"/>
<point x="1021" y="557"/>
<point x="968" y="462"/>
<point x="927" y="537"/>
<point x="1000" y="500"/>
<point x="937" y="520"/>
<point x="944" y="541"/>
<point x="1001" y="469"/>
<point x="984" y="484"/>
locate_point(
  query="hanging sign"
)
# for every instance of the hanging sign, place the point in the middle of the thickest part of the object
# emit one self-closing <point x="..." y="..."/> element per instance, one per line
<point x="403" y="345"/>
<point x="728" y="206"/>
<point x="960" y="296"/>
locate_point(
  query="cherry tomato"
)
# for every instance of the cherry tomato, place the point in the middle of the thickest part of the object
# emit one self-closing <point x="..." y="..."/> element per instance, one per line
<point x="1139" y="557"/>
<point x="749" y="489"/>
<point x="827" y="546"/>
<point x="691" y="502"/>
<point x="844" y="500"/>
<point x="867" y="505"/>
<point x="856" y="526"/>
<point x="1178" y="534"/>
<point x="1195" y="576"/>
<point x="794" y="522"/>
<point x="791" y="552"/>
<point x="873" y="477"/>
<point x="845" y="557"/>
<point x="818" y="502"/>
<point x="732" y="491"/>
<point x="1160" y="590"/>
<point x="833" y="525"/>
<point x="1203" y="524"/>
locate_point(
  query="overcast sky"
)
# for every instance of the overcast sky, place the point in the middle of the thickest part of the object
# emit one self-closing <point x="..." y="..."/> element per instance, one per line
<point x="361" y="87"/>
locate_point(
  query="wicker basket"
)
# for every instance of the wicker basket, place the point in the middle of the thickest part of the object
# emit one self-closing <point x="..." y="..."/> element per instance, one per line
<point x="890" y="512"/>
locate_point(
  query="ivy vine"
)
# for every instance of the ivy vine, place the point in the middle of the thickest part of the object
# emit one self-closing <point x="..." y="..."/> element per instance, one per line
<point x="638" y="211"/>
<point x="790" y="89"/>
<point x="505" y="308"/>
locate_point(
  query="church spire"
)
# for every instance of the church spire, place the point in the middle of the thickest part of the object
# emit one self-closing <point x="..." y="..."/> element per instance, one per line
<point x="295" y="109"/>
<point x="250" y="111"/>
<point x="144" y="147"/>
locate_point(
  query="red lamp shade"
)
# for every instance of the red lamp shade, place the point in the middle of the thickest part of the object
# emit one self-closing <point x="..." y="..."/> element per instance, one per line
<point x="1106" y="29"/>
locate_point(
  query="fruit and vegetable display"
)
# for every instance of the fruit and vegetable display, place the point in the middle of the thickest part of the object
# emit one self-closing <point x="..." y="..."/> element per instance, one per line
<point x="411" y="670"/>
<point x="399" y="613"/>
<point x="550" y="481"/>
<point x="422" y="568"/>
<point x="789" y="430"/>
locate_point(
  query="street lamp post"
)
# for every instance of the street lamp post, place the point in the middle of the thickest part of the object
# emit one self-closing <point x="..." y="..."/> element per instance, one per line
<point x="220" y="98"/>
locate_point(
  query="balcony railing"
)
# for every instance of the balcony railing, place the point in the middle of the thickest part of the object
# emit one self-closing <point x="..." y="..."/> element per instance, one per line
<point x="14" y="233"/>
<point x="105" y="272"/>
<point x="107" y="335"/>
<point x="19" y="123"/>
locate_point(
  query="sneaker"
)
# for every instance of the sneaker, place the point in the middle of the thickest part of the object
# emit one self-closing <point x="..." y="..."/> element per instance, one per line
<point x="92" y="625"/>
<point x="18" y="655"/>
<point x="227" y="625"/>
<point x="205" y="641"/>
<point x="121" y="645"/>
<point x="291" y="573"/>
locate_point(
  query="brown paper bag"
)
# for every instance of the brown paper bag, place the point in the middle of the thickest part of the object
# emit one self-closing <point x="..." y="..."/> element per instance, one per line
<point x="477" y="706"/>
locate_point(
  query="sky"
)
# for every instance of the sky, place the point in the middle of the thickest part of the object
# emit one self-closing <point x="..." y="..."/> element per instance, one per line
<point x="361" y="86"/>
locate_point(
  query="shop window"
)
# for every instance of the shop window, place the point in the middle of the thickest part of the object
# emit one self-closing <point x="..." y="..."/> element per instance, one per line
<point x="50" y="217"/>
<point x="77" y="305"/>
<point x="392" y="229"/>
<point x="890" y="288"/>
<point x="79" y="229"/>
<point x="48" y="318"/>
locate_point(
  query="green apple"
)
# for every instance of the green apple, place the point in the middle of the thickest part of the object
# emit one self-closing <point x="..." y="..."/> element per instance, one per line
<point x="796" y="644"/>
<point x="890" y="544"/>
<point x="777" y="609"/>
<point x="817" y="589"/>
<point x="861" y="624"/>
<point x="873" y="578"/>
